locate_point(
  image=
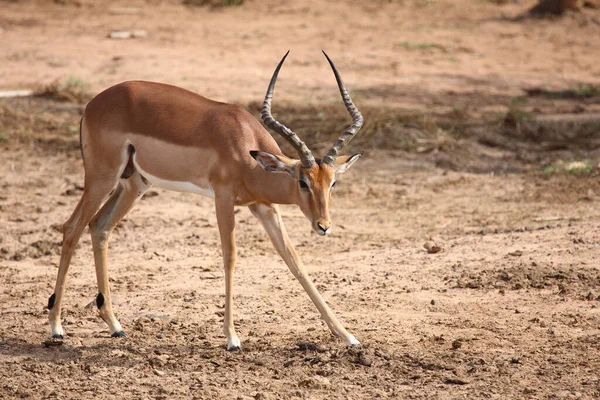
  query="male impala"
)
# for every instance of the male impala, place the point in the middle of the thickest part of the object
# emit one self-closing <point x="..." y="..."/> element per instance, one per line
<point x="138" y="134"/>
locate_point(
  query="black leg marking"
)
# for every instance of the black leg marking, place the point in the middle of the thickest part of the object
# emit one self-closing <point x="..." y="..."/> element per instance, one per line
<point x="80" y="137"/>
<point x="51" y="301"/>
<point x="100" y="300"/>
<point x="144" y="180"/>
<point x="118" y="334"/>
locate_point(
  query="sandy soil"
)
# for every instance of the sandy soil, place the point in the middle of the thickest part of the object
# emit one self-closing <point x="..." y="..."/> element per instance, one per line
<point x="405" y="53"/>
<point x="509" y="308"/>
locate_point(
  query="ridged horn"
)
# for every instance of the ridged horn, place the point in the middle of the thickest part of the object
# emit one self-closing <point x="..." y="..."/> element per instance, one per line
<point x="305" y="154"/>
<point x="352" y="130"/>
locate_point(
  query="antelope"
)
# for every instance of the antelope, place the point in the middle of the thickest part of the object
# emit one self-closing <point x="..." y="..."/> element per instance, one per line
<point x="139" y="134"/>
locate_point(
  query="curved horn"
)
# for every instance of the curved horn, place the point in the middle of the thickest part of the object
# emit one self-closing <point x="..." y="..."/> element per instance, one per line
<point x="352" y="130"/>
<point x="305" y="155"/>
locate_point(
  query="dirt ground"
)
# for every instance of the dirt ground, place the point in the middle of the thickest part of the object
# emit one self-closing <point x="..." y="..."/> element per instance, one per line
<point x="494" y="104"/>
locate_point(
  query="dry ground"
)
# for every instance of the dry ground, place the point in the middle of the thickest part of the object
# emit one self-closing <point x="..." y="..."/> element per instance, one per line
<point x="508" y="309"/>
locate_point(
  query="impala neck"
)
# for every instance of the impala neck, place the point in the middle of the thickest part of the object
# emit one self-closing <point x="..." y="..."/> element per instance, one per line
<point x="275" y="187"/>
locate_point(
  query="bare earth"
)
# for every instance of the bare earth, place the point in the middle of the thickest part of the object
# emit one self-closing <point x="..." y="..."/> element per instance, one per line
<point x="509" y="308"/>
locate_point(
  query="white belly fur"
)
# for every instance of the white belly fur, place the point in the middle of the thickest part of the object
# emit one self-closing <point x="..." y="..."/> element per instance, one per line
<point x="176" y="186"/>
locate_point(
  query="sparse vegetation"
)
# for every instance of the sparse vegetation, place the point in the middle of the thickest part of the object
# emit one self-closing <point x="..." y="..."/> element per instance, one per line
<point x="421" y="46"/>
<point x="585" y="90"/>
<point x="213" y="3"/>
<point x="550" y="169"/>
<point x="515" y="116"/>
<point x="69" y="89"/>
<point x="579" y="168"/>
<point x="581" y="90"/>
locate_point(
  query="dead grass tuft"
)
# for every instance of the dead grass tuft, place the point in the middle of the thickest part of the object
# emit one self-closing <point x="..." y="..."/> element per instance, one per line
<point x="212" y="3"/>
<point x="70" y="89"/>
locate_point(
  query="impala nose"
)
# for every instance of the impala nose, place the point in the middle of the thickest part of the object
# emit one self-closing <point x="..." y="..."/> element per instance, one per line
<point x="324" y="228"/>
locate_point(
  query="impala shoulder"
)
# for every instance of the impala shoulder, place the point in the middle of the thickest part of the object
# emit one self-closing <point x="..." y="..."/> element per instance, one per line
<point x="236" y="112"/>
<point x="235" y="118"/>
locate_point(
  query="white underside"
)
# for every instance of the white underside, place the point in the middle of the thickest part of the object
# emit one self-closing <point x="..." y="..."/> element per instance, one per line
<point x="176" y="186"/>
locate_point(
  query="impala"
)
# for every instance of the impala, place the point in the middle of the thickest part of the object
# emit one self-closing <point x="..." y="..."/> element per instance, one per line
<point x="138" y="134"/>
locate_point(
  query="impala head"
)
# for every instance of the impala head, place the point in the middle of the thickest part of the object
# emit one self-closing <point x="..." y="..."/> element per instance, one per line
<point x="315" y="177"/>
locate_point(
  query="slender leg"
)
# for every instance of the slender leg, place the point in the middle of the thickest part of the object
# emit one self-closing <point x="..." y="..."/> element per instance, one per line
<point x="118" y="205"/>
<point x="224" y="203"/>
<point x="91" y="200"/>
<point x="270" y="218"/>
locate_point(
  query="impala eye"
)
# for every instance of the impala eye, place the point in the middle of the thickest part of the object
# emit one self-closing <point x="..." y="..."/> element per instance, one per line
<point x="333" y="184"/>
<point x="303" y="185"/>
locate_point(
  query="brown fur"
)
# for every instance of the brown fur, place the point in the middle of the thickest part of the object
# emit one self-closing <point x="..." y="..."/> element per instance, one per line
<point x="175" y="135"/>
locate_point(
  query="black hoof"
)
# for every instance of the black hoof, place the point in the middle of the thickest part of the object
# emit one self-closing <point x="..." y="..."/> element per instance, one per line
<point x="234" y="348"/>
<point x="57" y="337"/>
<point x="118" y="334"/>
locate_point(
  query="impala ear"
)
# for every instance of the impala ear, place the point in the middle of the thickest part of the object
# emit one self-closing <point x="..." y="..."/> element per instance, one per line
<point x="272" y="163"/>
<point x="344" y="162"/>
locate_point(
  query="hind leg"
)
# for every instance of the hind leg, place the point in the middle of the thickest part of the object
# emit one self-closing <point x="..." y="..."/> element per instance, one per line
<point x="118" y="205"/>
<point x="91" y="200"/>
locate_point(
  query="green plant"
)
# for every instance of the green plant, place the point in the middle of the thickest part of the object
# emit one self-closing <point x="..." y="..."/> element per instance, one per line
<point x="579" y="167"/>
<point x="550" y="169"/>
<point x="585" y="90"/>
<point x="3" y="137"/>
<point x="515" y="114"/>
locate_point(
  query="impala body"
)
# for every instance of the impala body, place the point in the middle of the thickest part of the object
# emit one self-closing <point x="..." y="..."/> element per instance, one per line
<point x="140" y="134"/>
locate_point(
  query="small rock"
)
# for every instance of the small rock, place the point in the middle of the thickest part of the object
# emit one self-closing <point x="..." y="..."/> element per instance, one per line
<point x="309" y="346"/>
<point x="158" y="372"/>
<point x="364" y="359"/>
<point x="128" y="34"/>
<point x="457" y="344"/>
<point x="316" y="382"/>
<point x="590" y="296"/>
<point x="455" y="381"/>
<point x="150" y="193"/>
<point x="432" y="248"/>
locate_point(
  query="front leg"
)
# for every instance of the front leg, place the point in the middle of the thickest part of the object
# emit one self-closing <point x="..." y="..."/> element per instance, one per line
<point x="224" y="201"/>
<point x="270" y="218"/>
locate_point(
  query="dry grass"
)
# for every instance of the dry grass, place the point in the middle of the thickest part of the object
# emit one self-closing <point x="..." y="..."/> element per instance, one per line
<point x="70" y="89"/>
<point x="212" y="3"/>
<point x="47" y="124"/>
<point x="390" y="129"/>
